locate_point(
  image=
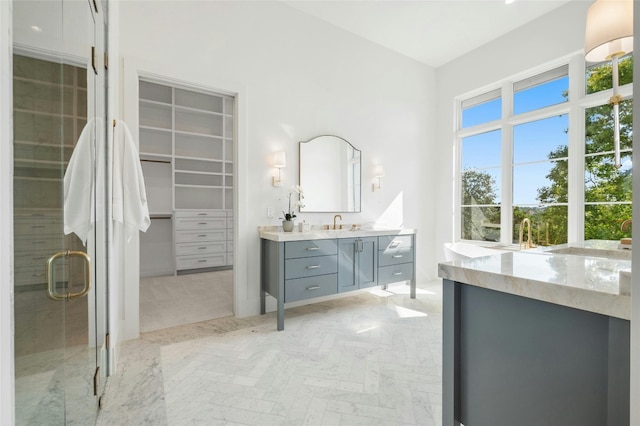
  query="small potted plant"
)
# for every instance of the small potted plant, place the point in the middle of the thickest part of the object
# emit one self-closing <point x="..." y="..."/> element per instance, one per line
<point x="290" y="214"/>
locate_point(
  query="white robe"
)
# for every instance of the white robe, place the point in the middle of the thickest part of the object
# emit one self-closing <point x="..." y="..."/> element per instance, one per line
<point x="79" y="182"/>
<point x="129" y="199"/>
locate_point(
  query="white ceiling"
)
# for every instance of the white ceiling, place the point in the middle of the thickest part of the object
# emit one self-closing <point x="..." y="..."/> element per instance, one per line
<point x="430" y="31"/>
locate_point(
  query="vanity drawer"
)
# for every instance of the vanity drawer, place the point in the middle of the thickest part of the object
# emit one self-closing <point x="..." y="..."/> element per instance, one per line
<point x="208" y="261"/>
<point x="306" y="288"/>
<point x="191" y="236"/>
<point x="310" y="266"/>
<point x="296" y="249"/>
<point x="196" y="249"/>
<point x="395" y="273"/>
<point x="395" y="256"/>
<point x="394" y="242"/>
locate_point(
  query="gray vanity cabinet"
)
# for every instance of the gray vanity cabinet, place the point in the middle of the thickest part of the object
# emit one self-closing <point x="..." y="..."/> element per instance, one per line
<point x="293" y="270"/>
<point x="357" y="263"/>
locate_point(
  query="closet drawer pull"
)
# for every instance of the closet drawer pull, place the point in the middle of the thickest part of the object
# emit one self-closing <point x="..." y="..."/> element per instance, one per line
<point x="202" y="260"/>
<point x="313" y="266"/>
<point x="315" y="287"/>
<point x="202" y="223"/>
<point x="202" y="235"/>
<point x="202" y="214"/>
<point x="202" y="248"/>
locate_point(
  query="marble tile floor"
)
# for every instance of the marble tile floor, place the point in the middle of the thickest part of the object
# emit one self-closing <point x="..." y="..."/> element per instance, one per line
<point x="372" y="358"/>
<point x="169" y="301"/>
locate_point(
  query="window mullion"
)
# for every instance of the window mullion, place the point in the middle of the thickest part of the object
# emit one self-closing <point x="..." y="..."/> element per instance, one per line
<point x="575" y="211"/>
<point x="506" y="201"/>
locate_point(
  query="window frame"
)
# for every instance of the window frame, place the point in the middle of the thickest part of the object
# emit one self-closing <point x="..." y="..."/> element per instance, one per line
<point x="575" y="108"/>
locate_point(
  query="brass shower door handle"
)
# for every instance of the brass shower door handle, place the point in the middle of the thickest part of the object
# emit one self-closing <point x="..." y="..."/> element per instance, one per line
<point x="53" y="294"/>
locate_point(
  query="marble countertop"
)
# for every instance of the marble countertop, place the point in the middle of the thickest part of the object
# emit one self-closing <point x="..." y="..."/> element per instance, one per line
<point x="574" y="275"/>
<point x="275" y="233"/>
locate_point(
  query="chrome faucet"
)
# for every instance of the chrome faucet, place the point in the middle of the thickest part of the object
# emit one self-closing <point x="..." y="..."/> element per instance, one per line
<point x="625" y="225"/>
<point x="528" y="244"/>
<point x="334" y="221"/>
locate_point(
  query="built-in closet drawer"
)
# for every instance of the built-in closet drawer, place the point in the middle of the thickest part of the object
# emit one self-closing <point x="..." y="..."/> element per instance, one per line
<point x="209" y="261"/>
<point x="197" y="249"/>
<point x="201" y="239"/>
<point x="191" y="236"/>
<point x="201" y="223"/>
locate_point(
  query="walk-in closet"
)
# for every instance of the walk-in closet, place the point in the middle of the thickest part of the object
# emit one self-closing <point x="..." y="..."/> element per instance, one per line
<point x="186" y="256"/>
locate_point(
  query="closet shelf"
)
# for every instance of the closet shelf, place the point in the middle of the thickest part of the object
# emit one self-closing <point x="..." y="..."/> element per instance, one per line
<point x="47" y="114"/>
<point x="56" y="85"/>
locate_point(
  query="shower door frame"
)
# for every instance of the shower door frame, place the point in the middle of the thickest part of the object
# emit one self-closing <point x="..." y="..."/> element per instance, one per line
<point x="7" y="324"/>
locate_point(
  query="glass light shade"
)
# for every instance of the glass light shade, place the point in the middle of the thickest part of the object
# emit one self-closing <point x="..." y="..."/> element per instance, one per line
<point x="378" y="171"/>
<point x="279" y="159"/>
<point x="609" y="30"/>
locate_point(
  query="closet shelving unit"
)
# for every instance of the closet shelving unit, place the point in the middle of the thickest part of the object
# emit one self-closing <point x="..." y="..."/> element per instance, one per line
<point x="45" y="133"/>
<point x="186" y="149"/>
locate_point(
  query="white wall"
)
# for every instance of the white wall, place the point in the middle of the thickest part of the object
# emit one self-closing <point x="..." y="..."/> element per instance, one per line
<point x="297" y="77"/>
<point x="553" y="36"/>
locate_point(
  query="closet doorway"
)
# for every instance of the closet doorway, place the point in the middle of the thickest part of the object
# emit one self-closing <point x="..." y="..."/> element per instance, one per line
<point x="187" y="154"/>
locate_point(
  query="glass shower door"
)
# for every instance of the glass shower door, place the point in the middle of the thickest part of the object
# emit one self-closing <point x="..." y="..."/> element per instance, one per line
<point x="59" y="313"/>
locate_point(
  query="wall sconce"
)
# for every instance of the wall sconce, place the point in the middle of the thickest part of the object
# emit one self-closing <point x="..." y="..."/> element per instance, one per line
<point x="378" y="172"/>
<point x="279" y="162"/>
<point x="608" y="37"/>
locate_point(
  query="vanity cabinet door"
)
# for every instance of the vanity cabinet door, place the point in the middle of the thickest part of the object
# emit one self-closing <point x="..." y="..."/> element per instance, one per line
<point x="357" y="263"/>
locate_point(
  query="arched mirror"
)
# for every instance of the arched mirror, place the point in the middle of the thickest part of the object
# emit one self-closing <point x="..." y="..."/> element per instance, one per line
<point x="330" y="175"/>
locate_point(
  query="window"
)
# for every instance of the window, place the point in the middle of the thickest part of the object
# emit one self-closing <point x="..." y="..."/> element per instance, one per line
<point x="540" y="165"/>
<point x="481" y="109"/>
<point x="516" y="165"/>
<point x="481" y="186"/>
<point x="541" y="90"/>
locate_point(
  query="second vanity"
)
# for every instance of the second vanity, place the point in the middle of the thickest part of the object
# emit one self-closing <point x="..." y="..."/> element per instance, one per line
<point x="537" y="337"/>
<point x="304" y="265"/>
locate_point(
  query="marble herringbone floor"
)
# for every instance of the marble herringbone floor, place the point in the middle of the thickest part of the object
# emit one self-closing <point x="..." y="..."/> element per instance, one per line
<point x="372" y="358"/>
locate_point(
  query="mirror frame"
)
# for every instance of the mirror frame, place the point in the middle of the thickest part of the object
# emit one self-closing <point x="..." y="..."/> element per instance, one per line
<point x="305" y="210"/>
